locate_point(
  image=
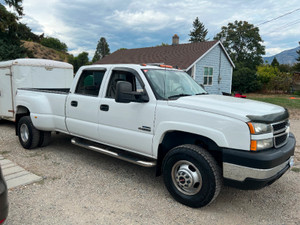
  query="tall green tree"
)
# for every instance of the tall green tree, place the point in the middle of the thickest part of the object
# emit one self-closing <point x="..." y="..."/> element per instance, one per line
<point x="10" y="44"/>
<point x="102" y="50"/>
<point x="198" y="34"/>
<point x="16" y="4"/>
<point x="243" y="43"/>
<point x="275" y="62"/>
<point x="297" y="66"/>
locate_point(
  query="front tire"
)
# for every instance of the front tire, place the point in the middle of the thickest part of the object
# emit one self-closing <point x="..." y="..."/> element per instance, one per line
<point x="192" y="175"/>
<point x="29" y="136"/>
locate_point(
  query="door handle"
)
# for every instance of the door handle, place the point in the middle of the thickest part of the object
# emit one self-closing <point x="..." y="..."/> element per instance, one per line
<point x="74" y="103"/>
<point x="104" y="107"/>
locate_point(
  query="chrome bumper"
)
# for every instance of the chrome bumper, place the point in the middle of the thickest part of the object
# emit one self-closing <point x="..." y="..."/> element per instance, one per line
<point x="240" y="173"/>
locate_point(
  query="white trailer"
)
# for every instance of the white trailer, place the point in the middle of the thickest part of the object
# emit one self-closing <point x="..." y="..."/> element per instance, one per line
<point x="30" y="73"/>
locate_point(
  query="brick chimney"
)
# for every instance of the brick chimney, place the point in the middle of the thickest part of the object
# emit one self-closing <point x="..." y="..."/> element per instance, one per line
<point x="175" y="40"/>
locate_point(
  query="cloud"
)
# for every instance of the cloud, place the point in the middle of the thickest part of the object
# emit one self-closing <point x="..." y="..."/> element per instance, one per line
<point x="134" y="24"/>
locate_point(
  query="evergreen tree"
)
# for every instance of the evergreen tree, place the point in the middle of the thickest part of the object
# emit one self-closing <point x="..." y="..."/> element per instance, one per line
<point x="16" y="4"/>
<point x="297" y="65"/>
<point x="275" y="62"/>
<point x="10" y="44"/>
<point x="102" y="50"/>
<point x="298" y="52"/>
<point x="198" y="34"/>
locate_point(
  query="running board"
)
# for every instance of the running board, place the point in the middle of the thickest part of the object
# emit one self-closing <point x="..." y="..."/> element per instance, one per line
<point x="120" y="154"/>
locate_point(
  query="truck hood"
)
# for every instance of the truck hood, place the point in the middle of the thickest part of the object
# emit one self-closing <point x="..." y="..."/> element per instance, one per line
<point x="239" y="108"/>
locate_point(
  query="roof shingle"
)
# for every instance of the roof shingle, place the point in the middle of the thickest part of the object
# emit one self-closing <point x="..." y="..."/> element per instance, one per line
<point x="181" y="56"/>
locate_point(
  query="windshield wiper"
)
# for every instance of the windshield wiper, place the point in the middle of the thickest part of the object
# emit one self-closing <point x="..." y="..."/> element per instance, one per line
<point x="178" y="96"/>
<point x="203" y="93"/>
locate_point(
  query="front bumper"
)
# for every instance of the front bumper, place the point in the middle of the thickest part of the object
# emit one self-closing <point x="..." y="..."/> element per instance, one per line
<point x="254" y="170"/>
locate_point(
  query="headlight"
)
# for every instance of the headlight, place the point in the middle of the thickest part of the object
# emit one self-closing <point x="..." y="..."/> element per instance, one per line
<point x="259" y="128"/>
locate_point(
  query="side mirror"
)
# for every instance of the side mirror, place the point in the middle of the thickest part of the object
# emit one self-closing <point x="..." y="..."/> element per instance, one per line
<point x="124" y="93"/>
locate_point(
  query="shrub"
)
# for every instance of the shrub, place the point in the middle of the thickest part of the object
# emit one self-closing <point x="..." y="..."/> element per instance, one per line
<point x="54" y="43"/>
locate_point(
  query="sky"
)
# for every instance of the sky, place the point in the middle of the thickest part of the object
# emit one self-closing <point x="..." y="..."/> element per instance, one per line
<point x="144" y="23"/>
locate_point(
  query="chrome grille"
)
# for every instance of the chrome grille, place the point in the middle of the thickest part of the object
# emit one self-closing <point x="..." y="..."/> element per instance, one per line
<point x="280" y="133"/>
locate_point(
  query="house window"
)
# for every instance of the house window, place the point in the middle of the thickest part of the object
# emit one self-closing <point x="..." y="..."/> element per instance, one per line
<point x="208" y="75"/>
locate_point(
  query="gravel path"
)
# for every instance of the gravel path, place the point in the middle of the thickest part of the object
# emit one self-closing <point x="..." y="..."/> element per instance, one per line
<point x="85" y="187"/>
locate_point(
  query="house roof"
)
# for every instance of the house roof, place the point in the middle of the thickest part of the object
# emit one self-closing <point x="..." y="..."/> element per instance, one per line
<point x="181" y="55"/>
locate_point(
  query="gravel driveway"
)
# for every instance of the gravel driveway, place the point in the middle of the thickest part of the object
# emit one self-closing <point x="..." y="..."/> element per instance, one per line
<point x="85" y="187"/>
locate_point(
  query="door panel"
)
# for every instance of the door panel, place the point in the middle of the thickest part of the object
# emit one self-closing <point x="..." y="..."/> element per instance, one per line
<point x="83" y="106"/>
<point x="127" y="125"/>
<point x="82" y="115"/>
<point x="6" y="98"/>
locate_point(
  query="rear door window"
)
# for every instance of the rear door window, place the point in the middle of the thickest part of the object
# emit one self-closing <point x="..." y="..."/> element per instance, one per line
<point x="90" y="82"/>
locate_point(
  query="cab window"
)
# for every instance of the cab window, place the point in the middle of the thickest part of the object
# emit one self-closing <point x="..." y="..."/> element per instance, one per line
<point x="90" y="82"/>
<point x="118" y="75"/>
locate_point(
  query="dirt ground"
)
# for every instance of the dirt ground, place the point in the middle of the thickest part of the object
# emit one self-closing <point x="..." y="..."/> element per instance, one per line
<point x="85" y="187"/>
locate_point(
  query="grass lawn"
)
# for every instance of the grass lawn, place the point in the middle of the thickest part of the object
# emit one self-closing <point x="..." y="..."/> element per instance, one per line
<point x="282" y="100"/>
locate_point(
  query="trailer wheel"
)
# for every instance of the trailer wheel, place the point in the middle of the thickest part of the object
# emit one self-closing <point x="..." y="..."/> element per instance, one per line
<point x="45" y="138"/>
<point x="29" y="136"/>
<point x="192" y="175"/>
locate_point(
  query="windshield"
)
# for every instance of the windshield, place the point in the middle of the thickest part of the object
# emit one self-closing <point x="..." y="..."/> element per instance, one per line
<point x="172" y="84"/>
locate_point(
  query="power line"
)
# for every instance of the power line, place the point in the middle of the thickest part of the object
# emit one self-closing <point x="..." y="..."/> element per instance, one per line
<point x="285" y="26"/>
<point x="288" y="13"/>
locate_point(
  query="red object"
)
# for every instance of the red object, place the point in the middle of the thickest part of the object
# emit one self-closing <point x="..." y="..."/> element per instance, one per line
<point x="238" y="95"/>
<point x="2" y="220"/>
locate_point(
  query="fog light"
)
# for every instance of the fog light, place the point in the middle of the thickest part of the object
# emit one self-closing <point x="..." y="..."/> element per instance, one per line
<point x="264" y="144"/>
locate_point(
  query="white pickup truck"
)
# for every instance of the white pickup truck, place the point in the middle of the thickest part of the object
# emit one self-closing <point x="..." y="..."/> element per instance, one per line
<point x="159" y="116"/>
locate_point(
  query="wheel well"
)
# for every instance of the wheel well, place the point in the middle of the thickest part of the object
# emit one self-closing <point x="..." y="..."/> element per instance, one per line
<point x="176" y="138"/>
<point x="21" y="111"/>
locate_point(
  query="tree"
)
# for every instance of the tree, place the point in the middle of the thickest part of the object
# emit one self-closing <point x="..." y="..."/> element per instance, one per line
<point x="25" y="33"/>
<point x="162" y="44"/>
<point x="78" y="61"/>
<point x="297" y="65"/>
<point x="102" y="50"/>
<point x="275" y="62"/>
<point x="266" y="72"/>
<point x="244" y="80"/>
<point x="243" y="44"/>
<point x="10" y="44"/>
<point x="54" y="43"/>
<point x="16" y="4"/>
<point x="198" y="34"/>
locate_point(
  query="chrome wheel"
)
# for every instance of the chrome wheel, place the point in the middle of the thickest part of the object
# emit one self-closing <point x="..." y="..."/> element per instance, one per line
<point x="186" y="177"/>
<point x="24" y="132"/>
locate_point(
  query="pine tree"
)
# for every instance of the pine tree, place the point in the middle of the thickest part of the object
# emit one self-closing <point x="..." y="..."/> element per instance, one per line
<point x="198" y="34"/>
<point x="297" y="65"/>
<point x="275" y="62"/>
<point x="298" y="52"/>
<point x="102" y="50"/>
<point x="10" y="43"/>
<point x="16" y="4"/>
